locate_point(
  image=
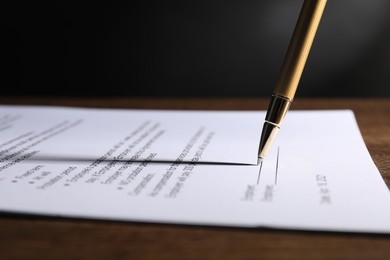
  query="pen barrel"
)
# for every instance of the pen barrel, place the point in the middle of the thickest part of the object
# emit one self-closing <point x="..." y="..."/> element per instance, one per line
<point x="299" y="48"/>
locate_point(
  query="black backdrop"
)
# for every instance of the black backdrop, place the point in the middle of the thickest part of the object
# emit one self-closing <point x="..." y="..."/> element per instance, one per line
<point x="190" y="48"/>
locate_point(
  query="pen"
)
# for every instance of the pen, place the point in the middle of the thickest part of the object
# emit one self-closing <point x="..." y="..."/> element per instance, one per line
<point x="291" y="71"/>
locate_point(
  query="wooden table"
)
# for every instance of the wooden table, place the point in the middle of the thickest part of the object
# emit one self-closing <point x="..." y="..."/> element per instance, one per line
<point x="29" y="237"/>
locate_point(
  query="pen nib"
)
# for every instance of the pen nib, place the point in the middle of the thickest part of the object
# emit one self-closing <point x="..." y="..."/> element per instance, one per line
<point x="259" y="160"/>
<point x="267" y="137"/>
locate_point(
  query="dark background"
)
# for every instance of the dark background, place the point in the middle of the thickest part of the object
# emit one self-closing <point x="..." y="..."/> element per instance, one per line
<point x="190" y="48"/>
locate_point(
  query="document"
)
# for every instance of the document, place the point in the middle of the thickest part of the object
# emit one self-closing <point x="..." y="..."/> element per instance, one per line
<point x="191" y="167"/>
<point x="87" y="134"/>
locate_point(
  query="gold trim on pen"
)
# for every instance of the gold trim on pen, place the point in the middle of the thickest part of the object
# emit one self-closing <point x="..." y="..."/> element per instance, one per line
<point x="277" y="109"/>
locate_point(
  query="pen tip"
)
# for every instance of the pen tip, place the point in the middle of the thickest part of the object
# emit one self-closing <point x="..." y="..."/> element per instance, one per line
<point x="267" y="137"/>
<point x="259" y="160"/>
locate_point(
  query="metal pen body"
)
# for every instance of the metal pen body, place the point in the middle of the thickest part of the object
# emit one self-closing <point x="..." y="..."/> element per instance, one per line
<point x="291" y="71"/>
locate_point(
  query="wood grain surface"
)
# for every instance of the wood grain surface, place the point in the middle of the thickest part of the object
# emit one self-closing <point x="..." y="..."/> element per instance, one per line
<point x="35" y="237"/>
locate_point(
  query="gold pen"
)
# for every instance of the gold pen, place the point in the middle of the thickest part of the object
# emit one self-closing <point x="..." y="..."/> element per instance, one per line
<point x="291" y="71"/>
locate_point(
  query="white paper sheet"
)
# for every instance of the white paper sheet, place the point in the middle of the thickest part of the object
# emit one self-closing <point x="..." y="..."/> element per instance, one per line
<point x="86" y="134"/>
<point x="318" y="175"/>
